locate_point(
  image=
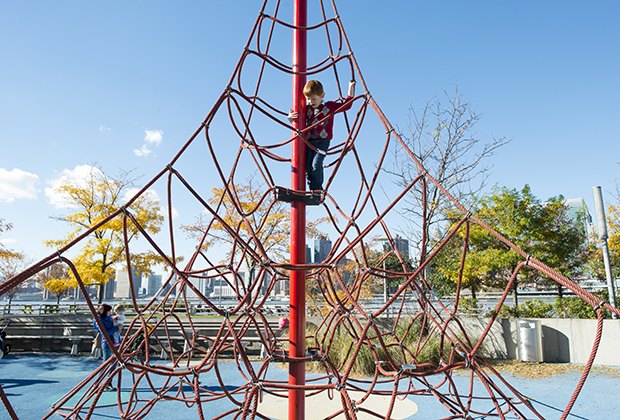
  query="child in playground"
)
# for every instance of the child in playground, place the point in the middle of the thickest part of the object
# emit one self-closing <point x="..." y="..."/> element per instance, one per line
<point x="119" y="320"/>
<point x="319" y="115"/>
<point x="283" y="325"/>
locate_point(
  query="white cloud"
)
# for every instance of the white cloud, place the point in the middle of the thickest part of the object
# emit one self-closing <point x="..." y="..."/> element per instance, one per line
<point x="153" y="137"/>
<point x="77" y="176"/>
<point x="164" y="212"/>
<point x="151" y="194"/>
<point x="143" y="151"/>
<point x="104" y="129"/>
<point x="8" y="241"/>
<point x="17" y="184"/>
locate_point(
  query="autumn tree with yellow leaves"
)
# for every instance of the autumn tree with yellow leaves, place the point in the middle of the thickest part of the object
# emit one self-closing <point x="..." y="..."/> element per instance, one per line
<point x="4" y="251"/>
<point x="57" y="281"/>
<point x="264" y="225"/>
<point x="613" y="230"/>
<point x="91" y="200"/>
<point x="11" y="263"/>
<point x="613" y="242"/>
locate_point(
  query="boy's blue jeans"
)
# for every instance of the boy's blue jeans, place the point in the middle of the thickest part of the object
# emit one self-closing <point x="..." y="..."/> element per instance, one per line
<point x="314" y="163"/>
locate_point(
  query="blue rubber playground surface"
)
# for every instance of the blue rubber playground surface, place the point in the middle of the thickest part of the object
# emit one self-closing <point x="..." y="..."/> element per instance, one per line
<point x="33" y="383"/>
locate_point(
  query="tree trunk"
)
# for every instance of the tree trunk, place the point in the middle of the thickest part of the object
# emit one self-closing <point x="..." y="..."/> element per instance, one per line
<point x="8" y="311"/>
<point x="58" y="300"/>
<point x="560" y="291"/>
<point x="473" y="292"/>
<point x="101" y="293"/>
<point x="516" y="294"/>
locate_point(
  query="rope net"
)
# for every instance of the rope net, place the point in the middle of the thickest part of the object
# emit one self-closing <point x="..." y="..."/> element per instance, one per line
<point x="247" y="132"/>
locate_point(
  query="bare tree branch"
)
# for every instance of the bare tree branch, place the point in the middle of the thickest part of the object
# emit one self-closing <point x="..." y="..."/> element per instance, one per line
<point x="443" y="137"/>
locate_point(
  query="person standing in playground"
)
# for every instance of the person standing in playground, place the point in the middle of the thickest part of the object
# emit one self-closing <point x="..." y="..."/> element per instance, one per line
<point x="319" y="115"/>
<point x="104" y="312"/>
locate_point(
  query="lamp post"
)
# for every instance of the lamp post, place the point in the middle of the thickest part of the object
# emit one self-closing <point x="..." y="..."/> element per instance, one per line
<point x="602" y="234"/>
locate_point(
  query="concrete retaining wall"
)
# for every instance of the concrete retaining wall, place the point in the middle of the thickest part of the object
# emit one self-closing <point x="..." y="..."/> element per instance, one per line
<point x="563" y="340"/>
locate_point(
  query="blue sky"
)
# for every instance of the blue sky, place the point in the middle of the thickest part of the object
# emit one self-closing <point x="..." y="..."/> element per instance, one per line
<point x="124" y="84"/>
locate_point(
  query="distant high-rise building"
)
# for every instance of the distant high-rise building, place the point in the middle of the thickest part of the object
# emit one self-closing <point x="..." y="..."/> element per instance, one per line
<point x="400" y="244"/>
<point x="165" y="289"/>
<point x="221" y="285"/>
<point x="264" y="278"/>
<point x="322" y="247"/>
<point x="282" y="287"/>
<point x="108" y="289"/>
<point x="308" y="255"/>
<point x="153" y="283"/>
<point x="578" y="212"/>
<point x="122" y="283"/>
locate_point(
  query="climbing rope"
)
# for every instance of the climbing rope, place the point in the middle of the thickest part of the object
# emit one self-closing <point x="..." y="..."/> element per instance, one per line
<point x="398" y="345"/>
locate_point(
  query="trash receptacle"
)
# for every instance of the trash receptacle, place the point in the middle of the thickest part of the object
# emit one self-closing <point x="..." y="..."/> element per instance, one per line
<point x="530" y="341"/>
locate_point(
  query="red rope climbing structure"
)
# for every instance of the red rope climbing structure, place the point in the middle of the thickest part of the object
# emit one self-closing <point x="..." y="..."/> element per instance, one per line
<point x="246" y="131"/>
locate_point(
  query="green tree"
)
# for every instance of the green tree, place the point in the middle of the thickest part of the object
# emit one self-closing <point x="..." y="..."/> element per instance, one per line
<point x="562" y="241"/>
<point x="543" y="230"/>
<point x="94" y="199"/>
<point x="479" y="271"/>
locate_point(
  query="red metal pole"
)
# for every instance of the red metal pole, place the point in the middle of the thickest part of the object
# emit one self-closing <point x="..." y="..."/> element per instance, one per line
<point x="297" y="311"/>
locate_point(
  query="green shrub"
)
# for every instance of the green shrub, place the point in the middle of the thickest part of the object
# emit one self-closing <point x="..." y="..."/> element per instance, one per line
<point x="341" y="350"/>
<point x="567" y="307"/>
<point x="469" y="306"/>
<point x="505" y="312"/>
<point x="534" y="308"/>
<point x="401" y="342"/>
<point x="574" y="307"/>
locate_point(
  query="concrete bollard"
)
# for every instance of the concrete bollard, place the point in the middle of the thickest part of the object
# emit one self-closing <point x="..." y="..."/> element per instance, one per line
<point x="164" y="353"/>
<point x="75" y="342"/>
<point x="95" y="350"/>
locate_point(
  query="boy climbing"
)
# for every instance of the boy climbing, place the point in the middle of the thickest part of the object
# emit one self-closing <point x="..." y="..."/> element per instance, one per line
<point x="320" y="115"/>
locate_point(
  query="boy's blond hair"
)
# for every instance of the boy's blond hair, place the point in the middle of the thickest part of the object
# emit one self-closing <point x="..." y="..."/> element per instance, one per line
<point x="313" y="87"/>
